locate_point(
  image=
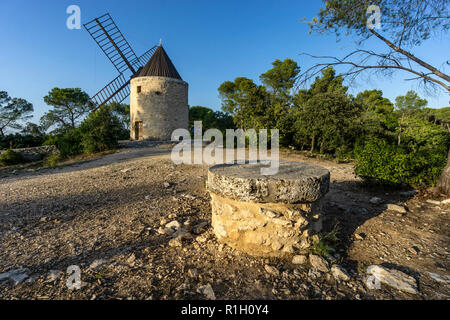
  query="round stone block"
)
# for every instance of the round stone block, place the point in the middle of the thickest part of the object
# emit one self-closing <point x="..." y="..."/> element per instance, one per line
<point x="271" y="216"/>
<point x="295" y="182"/>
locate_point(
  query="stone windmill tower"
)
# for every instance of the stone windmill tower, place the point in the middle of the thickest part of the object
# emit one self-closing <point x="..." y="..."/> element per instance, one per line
<point x="158" y="99"/>
<point x="158" y="95"/>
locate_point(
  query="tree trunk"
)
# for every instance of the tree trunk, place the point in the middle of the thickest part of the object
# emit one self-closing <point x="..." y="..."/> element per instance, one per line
<point x="444" y="180"/>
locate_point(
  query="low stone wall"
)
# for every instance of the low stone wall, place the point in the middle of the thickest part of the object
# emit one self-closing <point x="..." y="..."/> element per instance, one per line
<point x="271" y="216"/>
<point x="34" y="154"/>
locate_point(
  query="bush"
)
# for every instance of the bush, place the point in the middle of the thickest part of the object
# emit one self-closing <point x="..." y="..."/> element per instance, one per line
<point x="68" y="144"/>
<point x="53" y="159"/>
<point x="9" y="157"/>
<point x="100" y="131"/>
<point x="379" y="162"/>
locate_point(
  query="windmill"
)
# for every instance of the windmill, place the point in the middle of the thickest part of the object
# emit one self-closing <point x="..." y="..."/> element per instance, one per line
<point x="111" y="41"/>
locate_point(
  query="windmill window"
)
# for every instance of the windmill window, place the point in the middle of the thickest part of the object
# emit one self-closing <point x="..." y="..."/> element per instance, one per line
<point x="139" y="89"/>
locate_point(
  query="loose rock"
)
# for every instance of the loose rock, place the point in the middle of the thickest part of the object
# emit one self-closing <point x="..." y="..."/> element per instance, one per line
<point x="299" y="259"/>
<point x="394" y="278"/>
<point x="207" y="290"/>
<point x="339" y="273"/>
<point x="397" y="208"/>
<point x="318" y="262"/>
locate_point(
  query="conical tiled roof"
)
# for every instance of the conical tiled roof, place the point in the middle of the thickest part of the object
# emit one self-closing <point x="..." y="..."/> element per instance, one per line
<point x="159" y="65"/>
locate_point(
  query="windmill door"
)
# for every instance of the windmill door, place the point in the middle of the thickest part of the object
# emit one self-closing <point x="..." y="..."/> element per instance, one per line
<point x="138" y="130"/>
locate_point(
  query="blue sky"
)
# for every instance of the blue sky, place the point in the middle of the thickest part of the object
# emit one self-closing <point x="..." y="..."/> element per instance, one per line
<point x="208" y="41"/>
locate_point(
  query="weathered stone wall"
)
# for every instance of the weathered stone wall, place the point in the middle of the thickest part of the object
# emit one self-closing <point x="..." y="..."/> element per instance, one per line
<point x="161" y="104"/>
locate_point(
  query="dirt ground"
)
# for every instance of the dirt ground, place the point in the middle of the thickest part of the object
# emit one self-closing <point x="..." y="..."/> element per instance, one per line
<point x="103" y="215"/>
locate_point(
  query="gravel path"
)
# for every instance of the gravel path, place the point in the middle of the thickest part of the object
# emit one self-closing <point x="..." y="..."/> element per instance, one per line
<point x="105" y="215"/>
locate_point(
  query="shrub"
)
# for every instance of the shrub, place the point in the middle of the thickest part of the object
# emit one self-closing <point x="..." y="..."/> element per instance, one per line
<point x="379" y="162"/>
<point x="100" y="131"/>
<point x="53" y="159"/>
<point x="9" y="157"/>
<point x="68" y="143"/>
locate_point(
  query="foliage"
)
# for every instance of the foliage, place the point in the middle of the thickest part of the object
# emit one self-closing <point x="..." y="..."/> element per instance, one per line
<point x="18" y="140"/>
<point x="68" y="143"/>
<point x="379" y="162"/>
<point x="100" y="131"/>
<point x="210" y="119"/>
<point x="10" y="157"/>
<point x="53" y="159"/>
<point x="70" y="105"/>
<point x="326" y="241"/>
<point x="122" y="112"/>
<point x="326" y="116"/>
<point x="12" y="112"/>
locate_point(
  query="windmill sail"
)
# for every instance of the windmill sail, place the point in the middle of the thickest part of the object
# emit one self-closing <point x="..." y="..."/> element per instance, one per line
<point x="115" y="91"/>
<point x="111" y="41"/>
<point x="107" y="35"/>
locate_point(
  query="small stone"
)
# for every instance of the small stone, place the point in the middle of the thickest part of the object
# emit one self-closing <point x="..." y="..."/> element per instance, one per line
<point x="394" y="278"/>
<point x="408" y="193"/>
<point x="375" y="200"/>
<point x="166" y="231"/>
<point x="43" y="219"/>
<point x="414" y="250"/>
<point x="53" y="275"/>
<point x="172" y="216"/>
<point x="201" y="239"/>
<point x="182" y="233"/>
<point x="207" y="291"/>
<point x="360" y="236"/>
<point x="166" y="184"/>
<point x="314" y="274"/>
<point x="131" y="259"/>
<point x="437" y="203"/>
<point x="176" y="242"/>
<point x="193" y="273"/>
<point x="318" y="263"/>
<point x="175" y="225"/>
<point x="339" y="273"/>
<point x="200" y="228"/>
<point x="397" y="208"/>
<point x="96" y="263"/>
<point x="439" y="278"/>
<point x="299" y="259"/>
<point x="272" y="270"/>
<point x="268" y="213"/>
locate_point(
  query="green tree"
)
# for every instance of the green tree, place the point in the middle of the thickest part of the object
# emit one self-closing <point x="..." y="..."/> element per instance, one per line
<point x="408" y="105"/>
<point x="210" y="119"/>
<point x="378" y="118"/>
<point x="100" y="131"/>
<point x="404" y="25"/>
<point x="327" y="117"/>
<point x="261" y="106"/>
<point x="70" y="105"/>
<point x="12" y="112"/>
<point x="247" y="102"/>
<point x="122" y="111"/>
